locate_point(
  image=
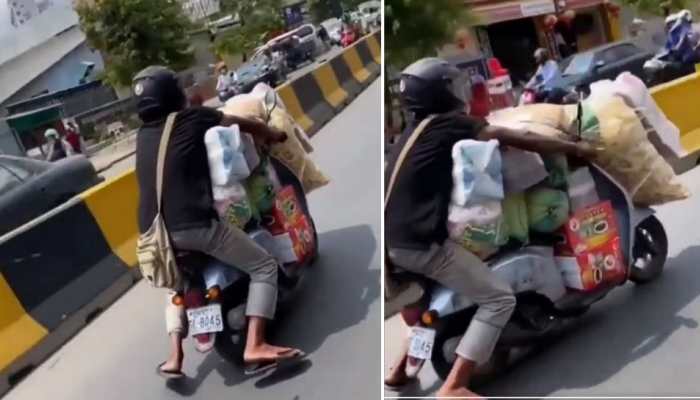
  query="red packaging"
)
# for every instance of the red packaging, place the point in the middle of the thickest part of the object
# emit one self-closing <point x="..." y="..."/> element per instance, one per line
<point x="303" y="238"/>
<point x="287" y="216"/>
<point x="591" y="227"/>
<point x="592" y="268"/>
<point x="591" y="255"/>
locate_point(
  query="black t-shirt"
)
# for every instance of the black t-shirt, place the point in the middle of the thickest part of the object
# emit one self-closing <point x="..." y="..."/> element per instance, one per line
<point x="416" y="215"/>
<point x="187" y="194"/>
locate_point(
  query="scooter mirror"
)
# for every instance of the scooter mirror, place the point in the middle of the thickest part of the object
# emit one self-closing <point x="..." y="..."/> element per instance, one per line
<point x="270" y="103"/>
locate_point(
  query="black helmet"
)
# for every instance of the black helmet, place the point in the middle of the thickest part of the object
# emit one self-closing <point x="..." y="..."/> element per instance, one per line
<point x="158" y="93"/>
<point x="433" y="86"/>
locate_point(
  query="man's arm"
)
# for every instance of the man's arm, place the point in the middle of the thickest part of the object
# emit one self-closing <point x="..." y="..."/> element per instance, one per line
<point x="259" y="130"/>
<point x="526" y="140"/>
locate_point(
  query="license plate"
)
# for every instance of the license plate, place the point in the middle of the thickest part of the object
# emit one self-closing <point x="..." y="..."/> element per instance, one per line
<point x="422" y="340"/>
<point x="205" y="319"/>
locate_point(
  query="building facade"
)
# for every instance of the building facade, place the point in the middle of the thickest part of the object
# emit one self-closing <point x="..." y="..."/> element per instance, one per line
<point x="511" y="31"/>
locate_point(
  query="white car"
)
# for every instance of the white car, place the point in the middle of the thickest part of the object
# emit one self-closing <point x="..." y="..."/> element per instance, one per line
<point x="334" y="28"/>
<point x="370" y="14"/>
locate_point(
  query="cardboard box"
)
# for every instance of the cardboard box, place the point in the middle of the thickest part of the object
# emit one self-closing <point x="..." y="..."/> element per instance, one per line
<point x="591" y="227"/>
<point x="290" y="227"/>
<point x="592" y="268"/>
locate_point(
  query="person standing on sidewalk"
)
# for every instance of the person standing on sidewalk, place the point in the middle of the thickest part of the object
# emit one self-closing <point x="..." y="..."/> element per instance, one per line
<point x="73" y="137"/>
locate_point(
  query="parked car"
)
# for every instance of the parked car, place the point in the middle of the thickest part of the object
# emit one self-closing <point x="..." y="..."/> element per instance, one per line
<point x="370" y="15"/>
<point x="260" y="68"/>
<point x="604" y="62"/>
<point x="30" y="188"/>
<point x="299" y="45"/>
<point x="334" y="28"/>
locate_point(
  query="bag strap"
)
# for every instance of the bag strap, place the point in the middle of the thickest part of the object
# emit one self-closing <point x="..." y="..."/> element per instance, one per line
<point x="404" y="152"/>
<point x="162" y="149"/>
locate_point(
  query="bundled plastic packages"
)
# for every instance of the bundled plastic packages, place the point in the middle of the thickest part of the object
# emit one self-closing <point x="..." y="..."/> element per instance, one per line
<point x="626" y="152"/>
<point x="293" y="152"/>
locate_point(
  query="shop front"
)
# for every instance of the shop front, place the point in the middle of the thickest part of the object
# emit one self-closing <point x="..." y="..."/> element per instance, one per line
<point x="511" y="31"/>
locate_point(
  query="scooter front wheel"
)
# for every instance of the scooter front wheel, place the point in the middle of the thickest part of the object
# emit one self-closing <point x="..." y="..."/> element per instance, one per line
<point x="649" y="252"/>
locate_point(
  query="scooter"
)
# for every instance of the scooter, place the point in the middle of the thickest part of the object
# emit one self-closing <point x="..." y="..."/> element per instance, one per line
<point x="545" y="309"/>
<point x="680" y="54"/>
<point x="214" y="295"/>
<point x="348" y="37"/>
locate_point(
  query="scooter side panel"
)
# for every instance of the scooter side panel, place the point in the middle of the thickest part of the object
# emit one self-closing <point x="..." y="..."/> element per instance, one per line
<point x="531" y="269"/>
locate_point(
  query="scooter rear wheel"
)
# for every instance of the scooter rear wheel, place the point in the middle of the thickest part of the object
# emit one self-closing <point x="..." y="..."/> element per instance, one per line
<point x="650" y="251"/>
<point x="228" y="349"/>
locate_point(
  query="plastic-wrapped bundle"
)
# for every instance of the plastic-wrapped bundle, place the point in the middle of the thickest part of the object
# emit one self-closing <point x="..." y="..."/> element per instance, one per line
<point x="476" y="172"/>
<point x="479" y="228"/>
<point x="232" y="204"/>
<point x="226" y="154"/>
<point x="547" y="209"/>
<point x="293" y="152"/>
<point x="630" y="157"/>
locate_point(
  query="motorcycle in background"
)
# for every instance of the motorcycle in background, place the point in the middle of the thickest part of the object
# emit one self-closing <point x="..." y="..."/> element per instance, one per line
<point x="680" y="54"/>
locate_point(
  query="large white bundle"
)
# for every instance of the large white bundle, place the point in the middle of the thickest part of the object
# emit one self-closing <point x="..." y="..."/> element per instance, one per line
<point x="293" y="152"/>
<point x="226" y="154"/>
<point x="630" y="157"/>
<point x="476" y="172"/>
<point x="662" y="132"/>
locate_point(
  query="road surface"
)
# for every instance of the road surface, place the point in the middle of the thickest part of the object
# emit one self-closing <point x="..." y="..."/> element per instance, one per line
<point x="337" y="319"/>
<point x="639" y="341"/>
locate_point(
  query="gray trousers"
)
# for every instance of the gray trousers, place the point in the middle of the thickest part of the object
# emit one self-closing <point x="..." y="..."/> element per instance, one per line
<point x="233" y="247"/>
<point x="456" y="268"/>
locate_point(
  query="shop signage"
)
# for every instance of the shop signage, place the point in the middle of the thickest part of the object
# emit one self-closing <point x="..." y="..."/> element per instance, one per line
<point x="535" y="8"/>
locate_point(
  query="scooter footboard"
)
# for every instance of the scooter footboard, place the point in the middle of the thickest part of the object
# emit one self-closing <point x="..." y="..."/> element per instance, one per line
<point x="529" y="270"/>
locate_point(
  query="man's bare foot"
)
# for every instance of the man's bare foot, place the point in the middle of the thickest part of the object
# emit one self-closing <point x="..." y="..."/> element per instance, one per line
<point x="267" y="352"/>
<point x="172" y="368"/>
<point x="462" y="393"/>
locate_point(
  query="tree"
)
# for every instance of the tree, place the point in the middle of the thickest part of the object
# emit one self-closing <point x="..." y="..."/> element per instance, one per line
<point x="259" y="19"/>
<point x="133" y="34"/>
<point x="658" y="7"/>
<point x="416" y="29"/>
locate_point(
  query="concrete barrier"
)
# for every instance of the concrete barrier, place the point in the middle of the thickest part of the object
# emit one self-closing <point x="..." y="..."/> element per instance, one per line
<point x="375" y="47"/>
<point x="679" y="101"/>
<point x="60" y="270"/>
<point x="333" y="92"/>
<point x="313" y="99"/>
<point x="54" y="280"/>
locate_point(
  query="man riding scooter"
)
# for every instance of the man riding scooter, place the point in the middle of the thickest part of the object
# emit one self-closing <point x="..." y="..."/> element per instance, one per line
<point x="188" y="210"/>
<point x="540" y="86"/>
<point x="417" y="199"/>
<point x="226" y="83"/>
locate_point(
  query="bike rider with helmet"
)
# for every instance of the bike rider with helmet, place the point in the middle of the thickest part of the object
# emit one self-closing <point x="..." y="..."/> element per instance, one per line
<point x="547" y="72"/>
<point x="59" y="148"/>
<point x="416" y="215"/>
<point x="188" y="208"/>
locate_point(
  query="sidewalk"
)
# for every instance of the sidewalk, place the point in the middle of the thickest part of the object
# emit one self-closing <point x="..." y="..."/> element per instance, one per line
<point x="114" y="153"/>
